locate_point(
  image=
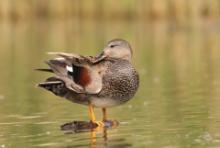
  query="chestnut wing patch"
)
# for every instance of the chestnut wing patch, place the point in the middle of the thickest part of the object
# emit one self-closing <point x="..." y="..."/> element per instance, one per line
<point x="80" y="75"/>
<point x="86" y="77"/>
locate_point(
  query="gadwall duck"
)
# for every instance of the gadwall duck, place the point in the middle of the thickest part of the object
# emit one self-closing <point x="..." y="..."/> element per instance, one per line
<point x="106" y="80"/>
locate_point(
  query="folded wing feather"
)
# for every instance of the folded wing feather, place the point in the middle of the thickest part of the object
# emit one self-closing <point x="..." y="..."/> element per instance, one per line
<point x="87" y="68"/>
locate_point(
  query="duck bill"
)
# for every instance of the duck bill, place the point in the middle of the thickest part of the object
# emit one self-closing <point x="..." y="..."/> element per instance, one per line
<point x="101" y="56"/>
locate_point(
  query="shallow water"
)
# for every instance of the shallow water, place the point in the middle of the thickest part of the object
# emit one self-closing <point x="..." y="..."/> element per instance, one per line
<point x="177" y="104"/>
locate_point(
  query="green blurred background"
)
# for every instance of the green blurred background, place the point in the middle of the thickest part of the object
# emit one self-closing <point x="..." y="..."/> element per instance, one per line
<point x="176" y="51"/>
<point x="182" y="11"/>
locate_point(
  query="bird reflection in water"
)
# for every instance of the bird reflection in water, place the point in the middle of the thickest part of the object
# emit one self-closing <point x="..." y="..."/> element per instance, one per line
<point x="83" y="126"/>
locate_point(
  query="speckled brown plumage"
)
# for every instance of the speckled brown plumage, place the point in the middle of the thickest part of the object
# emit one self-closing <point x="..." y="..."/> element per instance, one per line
<point x="120" y="81"/>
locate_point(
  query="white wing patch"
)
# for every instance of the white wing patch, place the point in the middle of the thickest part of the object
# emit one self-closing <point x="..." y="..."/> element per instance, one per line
<point x="69" y="68"/>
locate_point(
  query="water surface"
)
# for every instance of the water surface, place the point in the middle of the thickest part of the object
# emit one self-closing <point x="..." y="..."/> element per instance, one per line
<point x="177" y="104"/>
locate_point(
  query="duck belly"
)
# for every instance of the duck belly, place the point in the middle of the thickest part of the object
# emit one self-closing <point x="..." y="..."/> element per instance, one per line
<point x="104" y="102"/>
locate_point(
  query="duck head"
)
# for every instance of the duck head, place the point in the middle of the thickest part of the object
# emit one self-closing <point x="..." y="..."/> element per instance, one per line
<point x="117" y="48"/>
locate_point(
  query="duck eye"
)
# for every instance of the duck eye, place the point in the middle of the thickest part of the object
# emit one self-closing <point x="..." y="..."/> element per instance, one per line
<point x="112" y="46"/>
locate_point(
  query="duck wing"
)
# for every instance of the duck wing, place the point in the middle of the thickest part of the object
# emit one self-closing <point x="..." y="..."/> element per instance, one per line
<point x="79" y="73"/>
<point x="79" y="59"/>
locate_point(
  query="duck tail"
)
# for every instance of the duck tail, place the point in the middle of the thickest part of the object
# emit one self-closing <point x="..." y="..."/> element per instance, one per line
<point x="55" y="86"/>
<point x="44" y="70"/>
<point x="58" y="67"/>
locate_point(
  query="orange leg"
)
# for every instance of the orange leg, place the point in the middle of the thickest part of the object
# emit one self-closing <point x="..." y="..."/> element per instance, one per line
<point x="113" y="123"/>
<point x="91" y="113"/>
<point x="92" y="116"/>
<point x="104" y="114"/>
